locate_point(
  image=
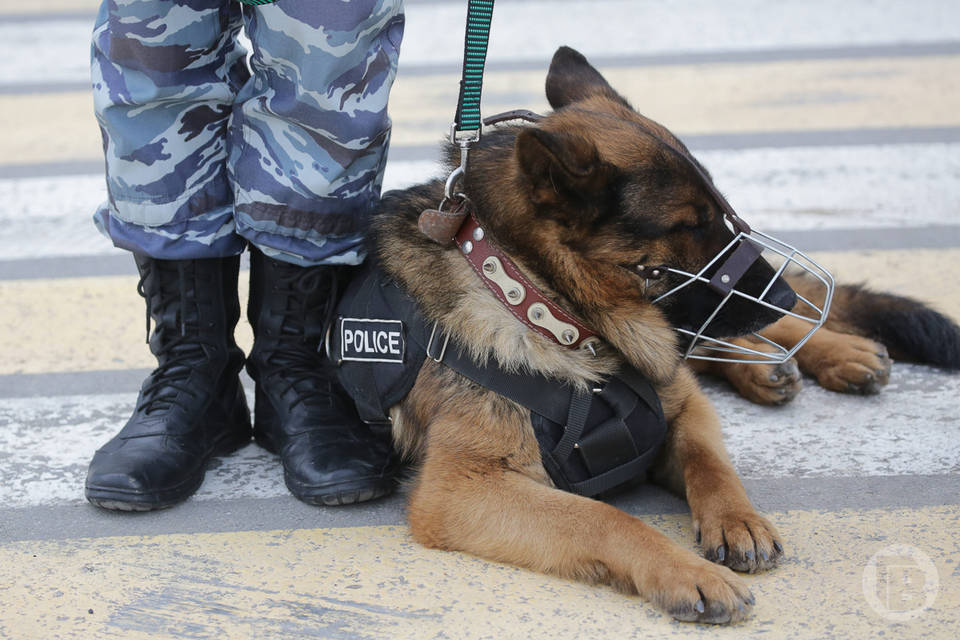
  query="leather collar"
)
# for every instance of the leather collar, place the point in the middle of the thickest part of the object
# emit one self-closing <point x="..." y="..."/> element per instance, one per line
<point x="515" y="291"/>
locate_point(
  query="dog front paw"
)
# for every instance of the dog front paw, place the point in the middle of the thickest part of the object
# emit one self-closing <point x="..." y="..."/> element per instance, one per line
<point x="741" y="540"/>
<point x="766" y="383"/>
<point x="693" y="590"/>
<point x="852" y="365"/>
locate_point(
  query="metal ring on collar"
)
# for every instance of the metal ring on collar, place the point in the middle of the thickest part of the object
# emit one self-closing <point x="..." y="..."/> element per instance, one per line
<point x="459" y="195"/>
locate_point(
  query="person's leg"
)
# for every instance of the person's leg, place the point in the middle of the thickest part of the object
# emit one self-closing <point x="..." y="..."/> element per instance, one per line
<point x="311" y="130"/>
<point x="165" y="74"/>
<point x="310" y="134"/>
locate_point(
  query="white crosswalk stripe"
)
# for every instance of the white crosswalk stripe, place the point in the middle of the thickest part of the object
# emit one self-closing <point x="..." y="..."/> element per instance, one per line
<point x="47" y="444"/>
<point x="775" y="189"/>
<point x="909" y="429"/>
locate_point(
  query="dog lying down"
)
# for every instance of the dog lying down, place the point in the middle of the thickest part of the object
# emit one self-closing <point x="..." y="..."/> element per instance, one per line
<point x="568" y="215"/>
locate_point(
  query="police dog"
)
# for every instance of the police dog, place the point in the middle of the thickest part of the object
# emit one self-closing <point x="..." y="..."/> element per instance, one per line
<point x="578" y="200"/>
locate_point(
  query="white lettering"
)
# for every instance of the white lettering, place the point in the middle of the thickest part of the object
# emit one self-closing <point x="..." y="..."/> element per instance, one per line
<point x="395" y="342"/>
<point x="372" y="340"/>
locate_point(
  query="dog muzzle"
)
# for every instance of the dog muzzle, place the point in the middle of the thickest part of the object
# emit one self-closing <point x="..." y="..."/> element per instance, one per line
<point x="725" y="271"/>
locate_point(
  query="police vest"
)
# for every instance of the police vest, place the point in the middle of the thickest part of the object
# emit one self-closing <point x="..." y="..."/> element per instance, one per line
<point x="591" y="442"/>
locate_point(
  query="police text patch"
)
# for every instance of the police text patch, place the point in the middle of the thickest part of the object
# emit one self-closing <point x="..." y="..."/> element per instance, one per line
<point x="366" y="340"/>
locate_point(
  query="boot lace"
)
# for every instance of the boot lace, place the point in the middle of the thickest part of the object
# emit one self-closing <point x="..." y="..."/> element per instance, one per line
<point x="294" y="356"/>
<point x="177" y="354"/>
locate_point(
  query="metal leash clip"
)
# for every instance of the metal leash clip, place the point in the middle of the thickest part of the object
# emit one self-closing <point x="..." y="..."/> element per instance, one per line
<point x="462" y="139"/>
<point x="441" y="225"/>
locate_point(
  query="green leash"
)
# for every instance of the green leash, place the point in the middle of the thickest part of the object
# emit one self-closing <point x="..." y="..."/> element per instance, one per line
<point x="479" y="15"/>
<point x="465" y="129"/>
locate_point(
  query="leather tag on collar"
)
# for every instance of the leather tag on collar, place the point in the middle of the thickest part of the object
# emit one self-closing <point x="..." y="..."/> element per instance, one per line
<point x="515" y="291"/>
<point x="441" y="226"/>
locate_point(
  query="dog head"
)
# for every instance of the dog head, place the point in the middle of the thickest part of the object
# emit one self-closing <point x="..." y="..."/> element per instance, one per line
<point x="597" y="183"/>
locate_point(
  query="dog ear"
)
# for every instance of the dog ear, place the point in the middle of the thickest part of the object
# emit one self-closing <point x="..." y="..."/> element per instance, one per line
<point x="571" y="78"/>
<point x="559" y="165"/>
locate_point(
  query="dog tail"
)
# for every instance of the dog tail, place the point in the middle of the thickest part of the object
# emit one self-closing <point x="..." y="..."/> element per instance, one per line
<point x="908" y="328"/>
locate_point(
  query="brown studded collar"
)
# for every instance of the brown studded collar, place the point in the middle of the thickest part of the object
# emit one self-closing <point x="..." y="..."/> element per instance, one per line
<point x="496" y="270"/>
<point x="515" y="291"/>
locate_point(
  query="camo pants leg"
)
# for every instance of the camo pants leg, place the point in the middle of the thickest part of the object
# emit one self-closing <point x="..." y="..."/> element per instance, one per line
<point x="202" y="155"/>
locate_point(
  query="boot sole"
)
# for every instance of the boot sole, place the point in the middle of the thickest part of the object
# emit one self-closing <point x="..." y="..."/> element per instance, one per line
<point x="340" y="494"/>
<point x="330" y="495"/>
<point x="333" y="495"/>
<point x="116" y="500"/>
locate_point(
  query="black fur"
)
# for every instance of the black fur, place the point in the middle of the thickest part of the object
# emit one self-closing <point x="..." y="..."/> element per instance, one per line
<point x="909" y="329"/>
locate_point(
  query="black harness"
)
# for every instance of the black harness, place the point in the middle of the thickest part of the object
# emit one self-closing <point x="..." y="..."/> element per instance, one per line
<point x="591" y="441"/>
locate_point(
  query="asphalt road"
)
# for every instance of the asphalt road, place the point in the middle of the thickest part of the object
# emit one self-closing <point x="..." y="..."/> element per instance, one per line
<point x="833" y="125"/>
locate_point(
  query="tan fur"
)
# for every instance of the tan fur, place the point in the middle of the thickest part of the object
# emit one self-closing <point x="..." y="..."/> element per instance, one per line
<point x="775" y="383"/>
<point x="839" y="358"/>
<point x="482" y="489"/>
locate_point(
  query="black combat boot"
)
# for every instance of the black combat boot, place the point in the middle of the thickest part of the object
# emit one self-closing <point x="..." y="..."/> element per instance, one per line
<point x="191" y="407"/>
<point x="329" y="455"/>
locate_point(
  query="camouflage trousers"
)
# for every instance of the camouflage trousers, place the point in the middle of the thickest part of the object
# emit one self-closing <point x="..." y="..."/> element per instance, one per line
<point x="206" y="152"/>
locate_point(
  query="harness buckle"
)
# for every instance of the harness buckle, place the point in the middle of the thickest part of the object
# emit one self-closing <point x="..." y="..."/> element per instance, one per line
<point x="443" y="349"/>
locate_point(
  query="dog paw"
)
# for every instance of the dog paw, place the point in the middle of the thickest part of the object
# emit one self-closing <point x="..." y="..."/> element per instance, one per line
<point x="766" y="383"/>
<point x="855" y="365"/>
<point x="743" y="541"/>
<point x="693" y="590"/>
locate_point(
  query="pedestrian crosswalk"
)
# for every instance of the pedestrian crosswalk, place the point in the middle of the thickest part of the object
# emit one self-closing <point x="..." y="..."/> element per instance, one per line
<point x="835" y="127"/>
<point x="48" y="440"/>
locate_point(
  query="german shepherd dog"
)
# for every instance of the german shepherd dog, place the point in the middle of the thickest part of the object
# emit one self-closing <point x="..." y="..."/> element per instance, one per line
<point x="578" y="200"/>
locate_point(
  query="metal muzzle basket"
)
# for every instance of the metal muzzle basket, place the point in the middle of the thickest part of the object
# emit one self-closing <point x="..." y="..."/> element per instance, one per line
<point x="703" y="346"/>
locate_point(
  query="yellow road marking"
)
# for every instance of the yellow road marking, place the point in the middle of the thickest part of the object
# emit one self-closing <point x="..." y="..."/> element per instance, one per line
<point x="729" y="97"/>
<point x="89" y="324"/>
<point x="80" y="324"/>
<point x="690" y="99"/>
<point x="375" y="582"/>
<point x="916" y="273"/>
<point x="53" y="127"/>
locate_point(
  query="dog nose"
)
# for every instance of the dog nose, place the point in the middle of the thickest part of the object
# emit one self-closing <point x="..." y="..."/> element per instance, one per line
<point x="781" y="295"/>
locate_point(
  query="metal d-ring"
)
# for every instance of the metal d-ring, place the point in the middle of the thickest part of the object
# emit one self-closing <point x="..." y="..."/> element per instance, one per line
<point x="443" y="349"/>
<point x="326" y="344"/>
<point x="459" y="196"/>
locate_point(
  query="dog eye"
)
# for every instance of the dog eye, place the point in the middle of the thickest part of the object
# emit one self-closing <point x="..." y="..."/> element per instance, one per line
<point x="686" y="225"/>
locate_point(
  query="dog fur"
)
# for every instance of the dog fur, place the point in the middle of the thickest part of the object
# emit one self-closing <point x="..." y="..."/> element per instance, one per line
<point x="578" y="200"/>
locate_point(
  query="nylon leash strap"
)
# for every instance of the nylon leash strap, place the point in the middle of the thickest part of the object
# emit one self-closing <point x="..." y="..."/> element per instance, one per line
<point x="465" y="129"/>
<point x="467" y="119"/>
